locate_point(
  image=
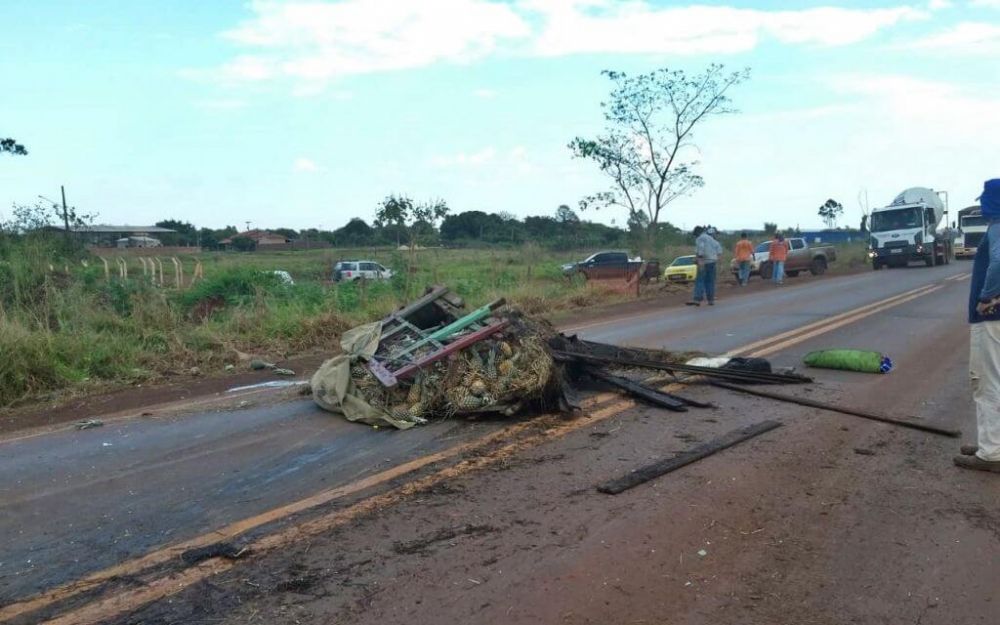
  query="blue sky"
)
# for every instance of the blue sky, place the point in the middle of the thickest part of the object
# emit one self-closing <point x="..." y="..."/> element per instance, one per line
<point x="305" y="114"/>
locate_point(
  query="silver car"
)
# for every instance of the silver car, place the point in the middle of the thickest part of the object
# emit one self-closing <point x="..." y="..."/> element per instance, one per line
<point x="351" y="270"/>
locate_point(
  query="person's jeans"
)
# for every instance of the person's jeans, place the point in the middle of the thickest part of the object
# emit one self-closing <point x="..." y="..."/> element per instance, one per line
<point x="704" y="284"/>
<point x="779" y="271"/>
<point x="744" y="273"/>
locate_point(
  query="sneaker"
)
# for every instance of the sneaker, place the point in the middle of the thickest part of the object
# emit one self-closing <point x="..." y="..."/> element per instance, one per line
<point x="968" y="450"/>
<point x="692" y="303"/>
<point x="711" y="303"/>
<point x="977" y="463"/>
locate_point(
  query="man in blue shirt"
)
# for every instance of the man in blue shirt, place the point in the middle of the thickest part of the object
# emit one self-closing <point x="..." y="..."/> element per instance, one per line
<point x="984" y="355"/>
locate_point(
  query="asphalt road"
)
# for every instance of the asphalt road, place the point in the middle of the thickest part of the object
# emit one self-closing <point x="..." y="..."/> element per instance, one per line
<point x="75" y="502"/>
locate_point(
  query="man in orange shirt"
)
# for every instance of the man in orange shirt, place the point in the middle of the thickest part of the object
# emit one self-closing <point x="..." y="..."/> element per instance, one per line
<point x="778" y="255"/>
<point x="743" y="255"/>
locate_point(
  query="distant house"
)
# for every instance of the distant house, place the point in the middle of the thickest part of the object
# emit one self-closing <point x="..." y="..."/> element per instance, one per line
<point x="262" y="238"/>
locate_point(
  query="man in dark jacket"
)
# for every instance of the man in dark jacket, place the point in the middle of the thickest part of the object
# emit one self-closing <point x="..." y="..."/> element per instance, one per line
<point x="984" y="355"/>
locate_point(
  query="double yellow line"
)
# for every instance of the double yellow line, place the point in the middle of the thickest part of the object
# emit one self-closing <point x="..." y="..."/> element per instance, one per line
<point x="604" y="406"/>
<point x="785" y="340"/>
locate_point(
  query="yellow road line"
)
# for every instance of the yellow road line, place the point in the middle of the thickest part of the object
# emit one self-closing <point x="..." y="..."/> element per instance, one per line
<point x="159" y="556"/>
<point x="137" y="565"/>
<point x="838" y="324"/>
<point x="130" y="600"/>
<point x="828" y="320"/>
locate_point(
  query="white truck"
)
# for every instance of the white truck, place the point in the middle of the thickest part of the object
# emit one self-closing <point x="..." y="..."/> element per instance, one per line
<point x="906" y="231"/>
<point x="971" y="230"/>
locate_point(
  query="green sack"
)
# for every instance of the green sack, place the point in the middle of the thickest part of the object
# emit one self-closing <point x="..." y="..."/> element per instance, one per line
<point x="849" y="360"/>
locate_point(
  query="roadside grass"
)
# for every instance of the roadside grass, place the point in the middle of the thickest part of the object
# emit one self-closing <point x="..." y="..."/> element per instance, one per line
<point x="69" y="328"/>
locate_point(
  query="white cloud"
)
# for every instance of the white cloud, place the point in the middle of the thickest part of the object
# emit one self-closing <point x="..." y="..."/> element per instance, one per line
<point x="939" y="5"/>
<point x="306" y="165"/>
<point x="928" y="112"/>
<point x="320" y="40"/>
<point x="985" y="4"/>
<point x="485" y="94"/>
<point x="465" y="159"/>
<point x="314" y="41"/>
<point x="586" y="26"/>
<point x="972" y="38"/>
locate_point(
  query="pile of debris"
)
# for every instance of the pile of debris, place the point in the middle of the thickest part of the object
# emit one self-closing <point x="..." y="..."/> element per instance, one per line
<point x="434" y="359"/>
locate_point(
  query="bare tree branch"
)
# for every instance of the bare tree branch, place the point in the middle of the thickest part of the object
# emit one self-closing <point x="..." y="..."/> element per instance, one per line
<point x="650" y="123"/>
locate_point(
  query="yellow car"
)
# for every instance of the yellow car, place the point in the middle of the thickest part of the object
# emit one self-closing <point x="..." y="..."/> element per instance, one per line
<point x="683" y="269"/>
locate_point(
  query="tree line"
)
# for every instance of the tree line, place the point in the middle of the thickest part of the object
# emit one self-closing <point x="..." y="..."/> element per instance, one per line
<point x="401" y="222"/>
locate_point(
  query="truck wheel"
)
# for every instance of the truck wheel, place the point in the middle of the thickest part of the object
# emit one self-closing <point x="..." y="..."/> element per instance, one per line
<point x="792" y="274"/>
<point x="766" y="270"/>
<point x="818" y="266"/>
<point x="929" y="261"/>
<point x="876" y="265"/>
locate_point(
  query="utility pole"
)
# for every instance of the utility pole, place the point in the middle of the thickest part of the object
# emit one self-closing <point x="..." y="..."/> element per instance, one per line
<point x="65" y="210"/>
<point x="248" y="226"/>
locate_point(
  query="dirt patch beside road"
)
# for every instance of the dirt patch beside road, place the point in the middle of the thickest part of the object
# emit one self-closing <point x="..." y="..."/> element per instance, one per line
<point x="136" y="399"/>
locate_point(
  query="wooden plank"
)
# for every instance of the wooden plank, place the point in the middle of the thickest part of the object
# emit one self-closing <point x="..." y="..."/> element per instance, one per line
<point x="864" y="414"/>
<point x="419" y="303"/>
<point x="635" y="389"/>
<point x="655" y="470"/>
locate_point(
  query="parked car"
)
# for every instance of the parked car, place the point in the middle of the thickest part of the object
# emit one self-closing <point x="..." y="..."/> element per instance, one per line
<point x="683" y="269"/>
<point x="801" y="257"/>
<point x="599" y="260"/>
<point x="351" y="270"/>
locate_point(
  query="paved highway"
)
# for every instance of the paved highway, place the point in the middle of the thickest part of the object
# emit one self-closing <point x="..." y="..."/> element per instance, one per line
<point x="77" y="502"/>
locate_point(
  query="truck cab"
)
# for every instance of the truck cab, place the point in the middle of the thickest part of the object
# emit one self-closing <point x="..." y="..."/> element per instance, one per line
<point x="906" y="231"/>
<point x="971" y="230"/>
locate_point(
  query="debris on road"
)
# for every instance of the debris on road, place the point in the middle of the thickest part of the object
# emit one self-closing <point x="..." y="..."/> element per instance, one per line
<point x="812" y="403"/>
<point x="88" y="424"/>
<point x="863" y="361"/>
<point x="258" y="365"/>
<point x="216" y="550"/>
<point x="282" y="371"/>
<point x="657" y="469"/>
<point x="432" y="359"/>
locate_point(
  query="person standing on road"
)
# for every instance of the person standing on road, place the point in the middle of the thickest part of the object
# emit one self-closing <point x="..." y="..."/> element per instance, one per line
<point x="743" y="255"/>
<point x="778" y="255"/>
<point x="707" y="251"/>
<point x="984" y="353"/>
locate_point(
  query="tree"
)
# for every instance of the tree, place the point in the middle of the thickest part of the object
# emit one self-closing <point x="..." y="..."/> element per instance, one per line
<point x="394" y="211"/>
<point x="10" y="146"/>
<point x="650" y="122"/>
<point x="408" y="217"/>
<point x="566" y="216"/>
<point x="864" y="224"/>
<point x="770" y="228"/>
<point x="355" y="232"/>
<point x="288" y="233"/>
<point x="830" y="211"/>
<point x="185" y="233"/>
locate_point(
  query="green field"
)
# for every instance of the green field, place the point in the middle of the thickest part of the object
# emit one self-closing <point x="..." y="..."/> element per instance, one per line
<point x="65" y="326"/>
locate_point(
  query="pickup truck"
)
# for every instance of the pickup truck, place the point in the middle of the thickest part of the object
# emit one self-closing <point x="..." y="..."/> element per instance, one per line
<point x="601" y="263"/>
<point x="801" y="257"/>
